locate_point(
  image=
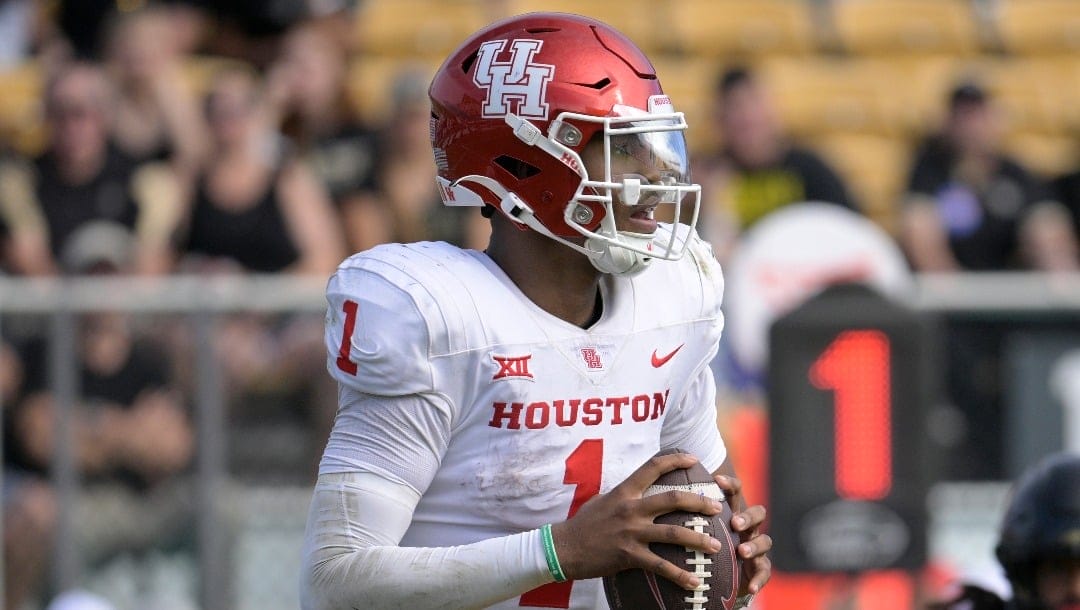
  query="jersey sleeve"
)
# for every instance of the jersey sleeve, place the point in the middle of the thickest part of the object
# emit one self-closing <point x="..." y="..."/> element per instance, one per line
<point x="377" y="338"/>
<point x="692" y="426"/>
<point x="710" y="276"/>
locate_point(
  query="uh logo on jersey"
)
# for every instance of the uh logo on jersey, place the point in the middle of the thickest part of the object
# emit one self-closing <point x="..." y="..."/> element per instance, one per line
<point x="519" y="80"/>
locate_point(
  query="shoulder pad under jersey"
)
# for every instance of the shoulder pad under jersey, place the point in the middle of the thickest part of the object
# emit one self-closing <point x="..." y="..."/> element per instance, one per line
<point x="693" y="286"/>
<point x="392" y="309"/>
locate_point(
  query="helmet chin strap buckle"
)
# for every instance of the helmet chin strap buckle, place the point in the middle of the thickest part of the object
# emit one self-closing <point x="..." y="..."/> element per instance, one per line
<point x="618" y="260"/>
<point x="512" y="205"/>
<point x="517" y="210"/>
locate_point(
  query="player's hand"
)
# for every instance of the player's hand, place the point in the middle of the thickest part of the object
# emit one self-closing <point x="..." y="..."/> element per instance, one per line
<point x="611" y="532"/>
<point x="753" y="544"/>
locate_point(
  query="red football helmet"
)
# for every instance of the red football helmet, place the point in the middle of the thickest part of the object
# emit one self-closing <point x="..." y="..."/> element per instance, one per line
<point x="515" y="106"/>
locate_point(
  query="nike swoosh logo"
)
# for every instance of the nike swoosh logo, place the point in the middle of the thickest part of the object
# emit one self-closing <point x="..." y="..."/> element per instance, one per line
<point x="659" y="361"/>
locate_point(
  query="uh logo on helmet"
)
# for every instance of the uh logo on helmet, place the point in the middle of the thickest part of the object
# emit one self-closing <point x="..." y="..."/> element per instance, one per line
<point x="516" y="104"/>
<point x="520" y="79"/>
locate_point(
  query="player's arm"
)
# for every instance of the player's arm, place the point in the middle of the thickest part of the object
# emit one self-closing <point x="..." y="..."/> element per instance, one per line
<point x="388" y="439"/>
<point x="351" y="558"/>
<point x="387" y="449"/>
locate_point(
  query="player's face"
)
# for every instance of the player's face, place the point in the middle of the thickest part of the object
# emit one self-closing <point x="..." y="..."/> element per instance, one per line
<point x="1057" y="583"/>
<point x="654" y="159"/>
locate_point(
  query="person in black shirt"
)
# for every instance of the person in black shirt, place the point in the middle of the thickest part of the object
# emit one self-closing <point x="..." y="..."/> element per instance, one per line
<point x="758" y="170"/>
<point x="971" y="207"/>
<point x="255" y="208"/>
<point x="133" y="446"/>
<point x="83" y="178"/>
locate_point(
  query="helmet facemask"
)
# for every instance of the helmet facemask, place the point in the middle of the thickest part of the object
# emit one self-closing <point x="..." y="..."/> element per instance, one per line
<point x="645" y="166"/>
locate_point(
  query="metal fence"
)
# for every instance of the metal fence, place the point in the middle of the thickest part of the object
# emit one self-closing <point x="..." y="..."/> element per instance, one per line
<point x="203" y="302"/>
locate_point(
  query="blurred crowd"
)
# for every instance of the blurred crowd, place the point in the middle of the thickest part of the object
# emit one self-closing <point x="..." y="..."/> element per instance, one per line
<point x="265" y="166"/>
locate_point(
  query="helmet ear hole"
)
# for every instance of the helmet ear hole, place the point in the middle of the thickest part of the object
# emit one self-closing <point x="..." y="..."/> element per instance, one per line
<point x="516" y="167"/>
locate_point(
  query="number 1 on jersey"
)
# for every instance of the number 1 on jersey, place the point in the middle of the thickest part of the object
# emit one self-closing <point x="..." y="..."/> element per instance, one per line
<point x="583" y="470"/>
<point x="343" y="362"/>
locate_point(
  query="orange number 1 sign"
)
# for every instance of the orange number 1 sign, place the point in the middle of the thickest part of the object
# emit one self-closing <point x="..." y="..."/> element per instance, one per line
<point x="856" y="368"/>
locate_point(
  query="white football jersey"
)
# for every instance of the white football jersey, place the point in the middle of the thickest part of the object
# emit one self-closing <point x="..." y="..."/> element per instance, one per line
<point x="542" y="414"/>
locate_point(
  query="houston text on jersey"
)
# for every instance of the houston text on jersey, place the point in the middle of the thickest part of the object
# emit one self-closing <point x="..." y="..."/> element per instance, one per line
<point x="586" y="411"/>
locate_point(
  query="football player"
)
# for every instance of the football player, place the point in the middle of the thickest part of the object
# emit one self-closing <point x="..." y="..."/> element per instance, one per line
<point x="499" y="411"/>
<point x="1040" y="542"/>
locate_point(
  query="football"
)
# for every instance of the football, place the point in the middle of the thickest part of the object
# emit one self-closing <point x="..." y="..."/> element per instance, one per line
<point x="719" y="572"/>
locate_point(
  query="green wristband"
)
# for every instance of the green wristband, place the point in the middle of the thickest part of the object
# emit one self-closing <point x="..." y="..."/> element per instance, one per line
<point x="550" y="555"/>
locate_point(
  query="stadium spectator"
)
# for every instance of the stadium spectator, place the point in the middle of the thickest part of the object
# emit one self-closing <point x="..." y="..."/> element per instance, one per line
<point x="133" y="445"/>
<point x="1039" y="543"/>
<point x="255" y="208"/>
<point x="156" y="117"/>
<point x="306" y="91"/>
<point x="258" y="209"/>
<point x="459" y="445"/>
<point x="757" y="169"/>
<point x="82" y="177"/>
<point x="971" y="207"/>
<point x="403" y="204"/>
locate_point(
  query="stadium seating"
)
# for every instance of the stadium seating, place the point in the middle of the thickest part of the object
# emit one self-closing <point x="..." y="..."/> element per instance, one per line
<point x="1045" y="154"/>
<point x="689" y="81"/>
<point x="916" y="86"/>
<point x="1032" y="27"/>
<point x="826" y="94"/>
<point x="860" y="79"/>
<point x="1030" y="93"/>
<point x="874" y="167"/>
<point x="735" y="28"/>
<point x="418" y="28"/>
<point x="635" y="18"/>
<point x="906" y="26"/>
<point x="371" y="78"/>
